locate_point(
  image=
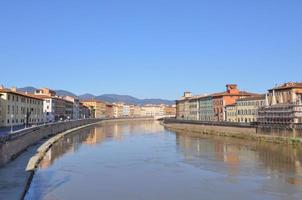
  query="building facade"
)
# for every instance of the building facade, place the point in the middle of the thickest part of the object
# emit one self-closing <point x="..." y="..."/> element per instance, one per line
<point x="206" y="108"/>
<point x="247" y="108"/>
<point x="283" y="106"/>
<point x="231" y="113"/>
<point x="98" y="109"/>
<point x="193" y="113"/>
<point x="19" y="108"/>
<point x="76" y="106"/>
<point x="220" y="100"/>
<point x="182" y="106"/>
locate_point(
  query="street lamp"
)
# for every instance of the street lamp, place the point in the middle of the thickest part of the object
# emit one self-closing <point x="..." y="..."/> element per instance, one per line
<point x="36" y="116"/>
<point x="25" y="116"/>
<point x="11" y="122"/>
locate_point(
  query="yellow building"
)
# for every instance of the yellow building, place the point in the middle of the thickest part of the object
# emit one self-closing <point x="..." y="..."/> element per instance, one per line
<point x="247" y="108"/>
<point x="98" y="109"/>
<point x="19" y="108"/>
<point x="231" y="113"/>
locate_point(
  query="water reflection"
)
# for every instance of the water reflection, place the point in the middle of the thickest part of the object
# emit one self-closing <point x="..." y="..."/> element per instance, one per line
<point x="96" y="135"/>
<point x="232" y="152"/>
<point x="142" y="160"/>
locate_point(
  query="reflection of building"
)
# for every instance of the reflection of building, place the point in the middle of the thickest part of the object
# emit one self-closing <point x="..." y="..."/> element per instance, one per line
<point x="95" y="136"/>
<point x="19" y="108"/>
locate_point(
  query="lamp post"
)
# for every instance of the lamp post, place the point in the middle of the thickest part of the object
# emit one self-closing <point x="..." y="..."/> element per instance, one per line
<point x="25" y="116"/>
<point x="11" y="122"/>
<point x="36" y="116"/>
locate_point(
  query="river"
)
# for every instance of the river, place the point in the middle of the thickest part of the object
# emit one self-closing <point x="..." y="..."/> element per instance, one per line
<point x="143" y="160"/>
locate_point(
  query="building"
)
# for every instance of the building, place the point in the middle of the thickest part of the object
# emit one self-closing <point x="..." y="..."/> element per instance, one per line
<point x="283" y="106"/>
<point x="54" y="107"/>
<point x="193" y="113"/>
<point x="84" y="111"/>
<point x="247" y="108"/>
<point x="205" y="108"/>
<point x="135" y="111"/>
<point x="222" y="99"/>
<point x="76" y="106"/>
<point x="69" y="106"/>
<point x="126" y="110"/>
<point x="152" y="110"/>
<point x="109" y="111"/>
<point x="19" y="108"/>
<point x="231" y="113"/>
<point x="98" y="109"/>
<point x="170" y="110"/>
<point x="182" y="106"/>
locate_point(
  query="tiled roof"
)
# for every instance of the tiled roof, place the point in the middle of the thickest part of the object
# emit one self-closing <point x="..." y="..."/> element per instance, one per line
<point x="92" y="100"/>
<point x="288" y="86"/>
<point x="20" y="94"/>
<point x="254" y="97"/>
<point x="240" y="93"/>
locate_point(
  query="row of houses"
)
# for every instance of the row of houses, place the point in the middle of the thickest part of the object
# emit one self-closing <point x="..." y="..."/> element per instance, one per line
<point x="280" y="105"/>
<point x="44" y="106"/>
<point x="101" y="109"/>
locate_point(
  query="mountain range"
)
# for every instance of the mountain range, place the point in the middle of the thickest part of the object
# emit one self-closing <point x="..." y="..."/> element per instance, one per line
<point x="111" y="98"/>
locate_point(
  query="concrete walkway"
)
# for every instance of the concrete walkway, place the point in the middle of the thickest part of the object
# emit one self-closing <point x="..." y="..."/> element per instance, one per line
<point x="13" y="176"/>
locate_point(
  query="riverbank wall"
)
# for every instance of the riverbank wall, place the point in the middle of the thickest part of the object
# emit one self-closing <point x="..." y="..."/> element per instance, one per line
<point x="14" y="144"/>
<point x="235" y="130"/>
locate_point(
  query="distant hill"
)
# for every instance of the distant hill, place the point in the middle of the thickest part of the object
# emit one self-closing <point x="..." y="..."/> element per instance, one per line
<point x="27" y="89"/>
<point x="132" y="100"/>
<point x="65" y="93"/>
<point x="111" y="98"/>
<point x="59" y="92"/>
<point x="87" y="96"/>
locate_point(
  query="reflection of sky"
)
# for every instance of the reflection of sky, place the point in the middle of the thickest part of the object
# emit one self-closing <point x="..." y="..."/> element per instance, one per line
<point x="144" y="161"/>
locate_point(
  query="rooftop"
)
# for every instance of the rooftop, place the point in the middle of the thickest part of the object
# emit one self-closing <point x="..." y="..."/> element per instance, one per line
<point x="288" y="85"/>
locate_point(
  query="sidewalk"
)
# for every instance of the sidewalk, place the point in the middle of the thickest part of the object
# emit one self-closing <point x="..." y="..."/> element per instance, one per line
<point x="6" y="130"/>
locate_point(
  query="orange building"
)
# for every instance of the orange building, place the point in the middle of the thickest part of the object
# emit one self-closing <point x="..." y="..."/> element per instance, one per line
<point x="222" y="99"/>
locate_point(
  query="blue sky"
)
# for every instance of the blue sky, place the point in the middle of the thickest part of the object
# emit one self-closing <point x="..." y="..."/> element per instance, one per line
<point x="150" y="48"/>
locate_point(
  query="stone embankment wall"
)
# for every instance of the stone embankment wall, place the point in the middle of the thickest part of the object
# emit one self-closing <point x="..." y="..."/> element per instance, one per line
<point x="235" y="130"/>
<point x="14" y="144"/>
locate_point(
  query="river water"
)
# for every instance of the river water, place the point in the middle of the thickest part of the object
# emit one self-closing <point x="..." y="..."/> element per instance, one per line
<point x="142" y="161"/>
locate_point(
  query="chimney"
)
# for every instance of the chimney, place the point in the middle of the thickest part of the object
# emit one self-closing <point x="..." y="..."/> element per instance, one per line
<point x="232" y="88"/>
<point x="187" y="94"/>
<point x="14" y="89"/>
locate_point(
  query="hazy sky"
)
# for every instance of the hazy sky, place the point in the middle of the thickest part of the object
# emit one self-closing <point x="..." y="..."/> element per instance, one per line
<point x="150" y="48"/>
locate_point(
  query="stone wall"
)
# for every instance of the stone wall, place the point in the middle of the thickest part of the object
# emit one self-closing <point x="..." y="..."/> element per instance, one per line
<point x="14" y="144"/>
<point x="237" y="131"/>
